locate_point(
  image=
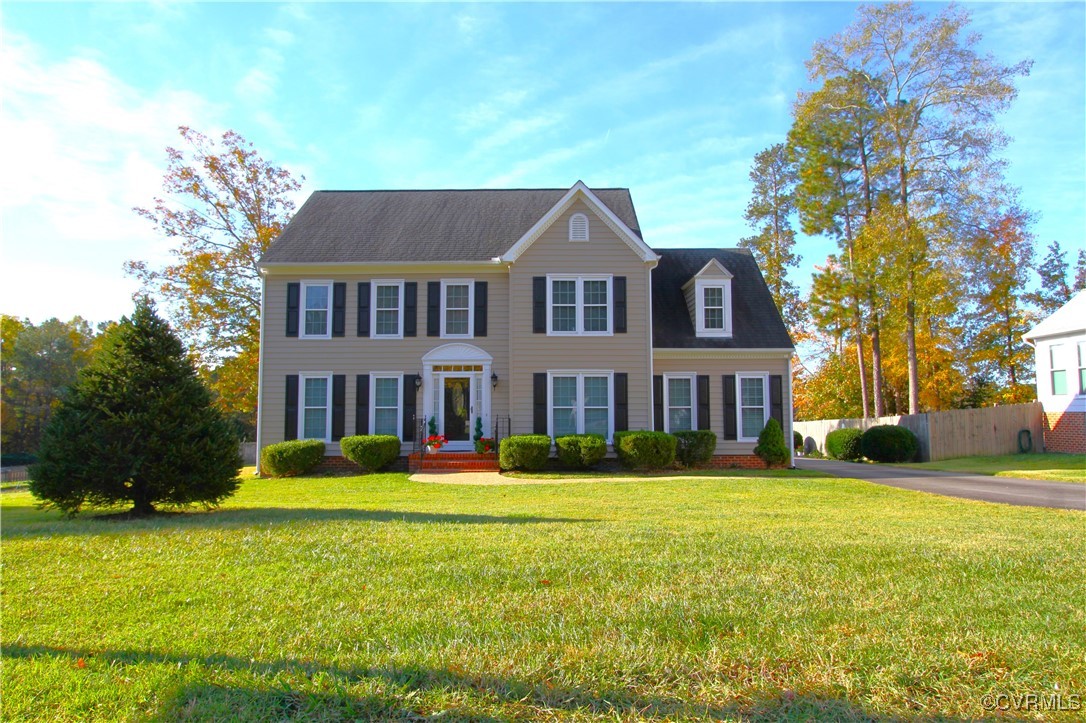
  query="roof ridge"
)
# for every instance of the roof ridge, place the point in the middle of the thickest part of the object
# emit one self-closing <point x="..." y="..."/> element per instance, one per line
<point x="454" y="190"/>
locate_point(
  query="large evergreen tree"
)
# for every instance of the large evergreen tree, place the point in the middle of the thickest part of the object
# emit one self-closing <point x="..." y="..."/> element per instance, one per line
<point x="137" y="427"/>
<point x="1053" y="291"/>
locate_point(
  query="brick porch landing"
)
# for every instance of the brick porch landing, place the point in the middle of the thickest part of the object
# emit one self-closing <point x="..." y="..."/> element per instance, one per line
<point x="452" y="462"/>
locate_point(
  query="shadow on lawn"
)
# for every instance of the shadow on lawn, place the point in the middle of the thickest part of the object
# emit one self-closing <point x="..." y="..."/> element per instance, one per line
<point x="88" y="524"/>
<point x="458" y="694"/>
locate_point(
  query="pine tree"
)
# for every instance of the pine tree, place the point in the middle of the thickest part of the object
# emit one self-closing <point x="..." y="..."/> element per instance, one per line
<point x="1080" y="271"/>
<point x="1053" y="291"/>
<point x="137" y="427"/>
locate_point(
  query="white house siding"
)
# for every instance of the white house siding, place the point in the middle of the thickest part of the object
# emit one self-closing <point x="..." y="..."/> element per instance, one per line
<point x="529" y="353"/>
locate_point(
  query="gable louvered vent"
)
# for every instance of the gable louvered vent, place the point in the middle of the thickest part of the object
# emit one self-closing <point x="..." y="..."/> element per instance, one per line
<point x="578" y="227"/>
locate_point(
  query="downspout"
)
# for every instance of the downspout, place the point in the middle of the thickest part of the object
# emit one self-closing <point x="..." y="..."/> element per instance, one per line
<point x="788" y="439"/>
<point x="260" y="371"/>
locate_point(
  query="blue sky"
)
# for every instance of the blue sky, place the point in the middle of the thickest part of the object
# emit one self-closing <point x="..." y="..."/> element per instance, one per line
<point x="671" y="100"/>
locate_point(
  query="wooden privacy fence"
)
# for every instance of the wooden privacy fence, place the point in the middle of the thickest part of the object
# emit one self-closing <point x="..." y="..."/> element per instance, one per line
<point x="942" y="435"/>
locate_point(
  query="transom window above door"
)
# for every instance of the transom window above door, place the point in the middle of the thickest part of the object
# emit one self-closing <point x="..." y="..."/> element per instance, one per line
<point x="579" y="305"/>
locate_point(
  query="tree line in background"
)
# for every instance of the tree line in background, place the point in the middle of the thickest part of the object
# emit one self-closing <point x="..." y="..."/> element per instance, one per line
<point x="894" y="156"/>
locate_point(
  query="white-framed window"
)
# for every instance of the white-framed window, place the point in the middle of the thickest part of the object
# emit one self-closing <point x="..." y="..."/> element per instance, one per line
<point x="714" y="307"/>
<point x="578" y="227"/>
<point x="316" y="310"/>
<point x="1082" y="367"/>
<point x="315" y="406"/>
<point x="579" y="305"/>
<point x="457" y="308"/>
<point x="386" y="398"/>
<point x="753" y="406"/>
<point x="386" y="309"/>
<point x="1057" y="371"/>
<point x="580" y="403"/>
<point x="680" y="402"/>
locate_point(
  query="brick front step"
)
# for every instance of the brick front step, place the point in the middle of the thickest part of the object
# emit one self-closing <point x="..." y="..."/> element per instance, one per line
<point x="453" y="462"/>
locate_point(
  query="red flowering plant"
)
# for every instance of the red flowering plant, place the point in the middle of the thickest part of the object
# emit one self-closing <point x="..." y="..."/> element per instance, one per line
<point x="484" y="445"/>
<point x="435" y="441"/>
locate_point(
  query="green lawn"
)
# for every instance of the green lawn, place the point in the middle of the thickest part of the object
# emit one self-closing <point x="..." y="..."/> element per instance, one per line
<point x="1053" y="467"/>
<point x="339" y="598"/>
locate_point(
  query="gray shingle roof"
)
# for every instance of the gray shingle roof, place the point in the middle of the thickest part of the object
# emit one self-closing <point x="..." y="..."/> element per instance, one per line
<point x="390" y="226"/>
<point x="756" y="323"/>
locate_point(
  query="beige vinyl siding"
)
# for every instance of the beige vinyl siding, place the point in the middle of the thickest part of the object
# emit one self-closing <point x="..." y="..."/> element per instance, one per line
<point x="716" y="369"/>
<point x="352" y="355"/>
<point x="605" y="253"/>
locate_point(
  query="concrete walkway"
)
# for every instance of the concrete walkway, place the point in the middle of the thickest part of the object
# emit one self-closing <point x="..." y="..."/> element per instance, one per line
<point x="1007" y="490"/>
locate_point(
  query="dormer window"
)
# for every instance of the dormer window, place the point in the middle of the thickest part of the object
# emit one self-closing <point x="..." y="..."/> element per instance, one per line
<point x="713" y="312"/>
<point x="578" y="227"/>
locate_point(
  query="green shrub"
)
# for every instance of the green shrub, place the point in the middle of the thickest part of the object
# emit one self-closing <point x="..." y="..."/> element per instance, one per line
<point x="645" y="450"/>
<point x="583" y="451"/>
<point x="524" y="451"/>
<point x="694" y="448"/>
<point x="771" y="447"/>
<point x="292" y="458"/>
<point x="889" y="443"/>
<point x="844" y="444"/>
<point x="797" y="441"/>
<point x="371" y="452"/>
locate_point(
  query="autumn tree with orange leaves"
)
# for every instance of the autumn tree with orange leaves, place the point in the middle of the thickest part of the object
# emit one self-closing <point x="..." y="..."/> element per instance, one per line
<point x="224" y="204"/>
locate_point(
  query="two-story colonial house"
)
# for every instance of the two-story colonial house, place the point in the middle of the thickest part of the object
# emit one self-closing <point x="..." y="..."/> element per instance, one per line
<point x="543" y="308"/>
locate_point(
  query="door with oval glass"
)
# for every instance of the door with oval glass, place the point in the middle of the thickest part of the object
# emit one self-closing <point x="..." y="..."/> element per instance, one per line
<point x="456" y="408"/>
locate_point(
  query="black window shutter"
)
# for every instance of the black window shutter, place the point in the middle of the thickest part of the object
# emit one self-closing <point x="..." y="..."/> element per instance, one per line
<point x="480" y="308"/>
<point x="704" y="420"/>
<point x="730" y="429"/>
<point x="409" y="395"/>
<point x="539" y="304"/>
<point x="411" y="308"/>
<point x="362" y="404"/>
<point x="339" y="404"/>
<point x="294" y="293"/>
<point x="539" y="403"/>
<point x="290" y="428"/>
<point x="622" y="401"/>
<point x="619" y="294"/>
<point x="339" y="308"/>
<point x="776" y="398"/>
<point x="658" y="402"/>
<point x="433" y="308"/>
<point x="363" y="308"/>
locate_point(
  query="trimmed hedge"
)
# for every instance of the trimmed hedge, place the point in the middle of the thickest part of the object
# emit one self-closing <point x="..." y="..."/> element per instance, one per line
<point x="844" y="444"/>
<point x="583" y="451"/>
<point x="645" y="450"/>
<point x="524" y="451"/>
<point x="770" y="445"/>
<point x="694" y="448"/>
<point x="889" y="443"/>
<point x="797" y="441"/>
<point x="292" y="458"/>
<point x="371" y="452"/>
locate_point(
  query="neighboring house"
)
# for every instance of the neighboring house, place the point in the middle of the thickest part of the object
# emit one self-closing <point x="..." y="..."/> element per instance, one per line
<point x="534" y="311"/>
<point x="1060" y="344"/>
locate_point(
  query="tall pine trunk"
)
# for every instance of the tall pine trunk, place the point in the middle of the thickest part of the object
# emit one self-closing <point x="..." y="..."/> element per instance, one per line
<point x="876" y="366"/>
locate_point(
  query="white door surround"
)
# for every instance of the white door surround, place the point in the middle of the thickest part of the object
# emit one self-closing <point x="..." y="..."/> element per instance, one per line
<point x="457" y="360"/>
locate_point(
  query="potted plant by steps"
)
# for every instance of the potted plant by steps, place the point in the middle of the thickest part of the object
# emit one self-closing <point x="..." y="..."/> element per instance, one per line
<point x="434" y="442"/>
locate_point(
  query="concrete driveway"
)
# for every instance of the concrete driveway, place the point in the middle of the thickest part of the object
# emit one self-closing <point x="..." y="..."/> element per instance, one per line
<point x="1008" y="490"/>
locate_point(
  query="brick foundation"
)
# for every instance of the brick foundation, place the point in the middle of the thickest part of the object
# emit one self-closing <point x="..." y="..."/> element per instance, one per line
<point x="735" y="461"/>
<point x="341" y="465"/>
<point x="1065" y="432"/>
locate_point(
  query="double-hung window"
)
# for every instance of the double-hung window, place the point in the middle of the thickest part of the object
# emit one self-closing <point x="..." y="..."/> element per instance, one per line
<point x="753" y="410"/>
<point x="457" y="317"/>
<point x="1082" y="367"/>
<point x="387" y="305"/>
<point x="1058" y="372"/>
<point x="316" y="407"/>
<point x="386" y="395"/>
<point x="713" y="307"/>
<point x="581" y="403"/>
<point x="578" y="305"/>
<point x="679" y="400"/>
<point x="317" y="306"/>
